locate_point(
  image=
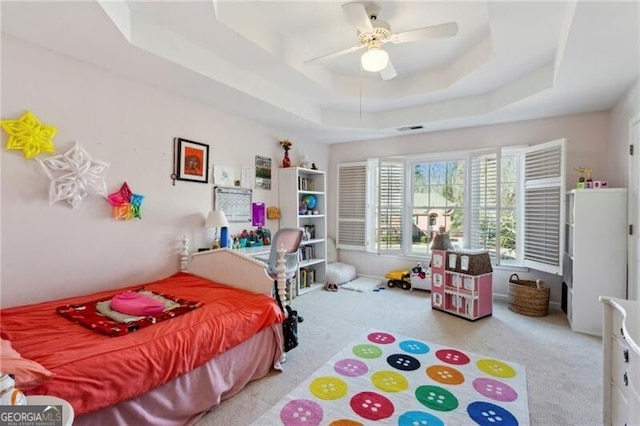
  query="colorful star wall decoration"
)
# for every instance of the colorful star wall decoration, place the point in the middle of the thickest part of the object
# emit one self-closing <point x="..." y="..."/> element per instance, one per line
<point x="29" y="135"/>
<point x="126" y="205"/>
<point x="74" y="175"/>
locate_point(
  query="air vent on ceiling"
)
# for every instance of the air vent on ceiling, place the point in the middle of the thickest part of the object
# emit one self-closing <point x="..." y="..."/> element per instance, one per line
<point x="408" y="128"/>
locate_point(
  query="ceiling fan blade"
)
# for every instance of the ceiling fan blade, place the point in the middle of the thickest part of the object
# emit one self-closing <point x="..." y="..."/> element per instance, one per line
<point x="436" y="31"/>
<point x="358" y="16"/>
<point x="335" y="54"/>
<point x="388" y="72"/>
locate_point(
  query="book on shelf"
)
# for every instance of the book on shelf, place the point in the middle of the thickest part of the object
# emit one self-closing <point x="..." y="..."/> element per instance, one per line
<point x="307" y="252"/>
<point x="310" y="231"/>
<point x="303" y="278"/>
<point x="305" y="184"/>
<point x="306" y="277"/>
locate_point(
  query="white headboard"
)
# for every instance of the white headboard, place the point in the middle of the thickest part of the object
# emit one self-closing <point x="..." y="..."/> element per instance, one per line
<point x="226" y="266"/>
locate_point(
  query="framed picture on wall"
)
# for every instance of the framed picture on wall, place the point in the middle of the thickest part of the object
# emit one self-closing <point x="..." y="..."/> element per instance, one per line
<point x="192" y="161"/>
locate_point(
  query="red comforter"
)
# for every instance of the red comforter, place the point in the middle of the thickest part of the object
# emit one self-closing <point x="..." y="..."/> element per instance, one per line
<point x="95" y="371"/>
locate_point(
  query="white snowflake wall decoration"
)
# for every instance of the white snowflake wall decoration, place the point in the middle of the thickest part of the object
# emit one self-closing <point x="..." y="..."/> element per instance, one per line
<point x="74" y="175"/>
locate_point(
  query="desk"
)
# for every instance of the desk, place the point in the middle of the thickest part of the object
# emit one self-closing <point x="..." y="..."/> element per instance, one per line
<point x="67" y="410"/>
<point x="259" y="252"/>
<point x="262" y="253"/>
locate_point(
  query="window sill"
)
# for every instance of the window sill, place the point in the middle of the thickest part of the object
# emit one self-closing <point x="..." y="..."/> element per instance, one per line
<point x="426" y="259"/>
<point x="513" y="268"/>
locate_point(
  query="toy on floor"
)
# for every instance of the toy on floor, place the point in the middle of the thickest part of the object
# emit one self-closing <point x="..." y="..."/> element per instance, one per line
<point x="419" y="271"/>
<point x="403" y="279"/>
<point x="399" y="278"/>
<point x="420" y="278"/>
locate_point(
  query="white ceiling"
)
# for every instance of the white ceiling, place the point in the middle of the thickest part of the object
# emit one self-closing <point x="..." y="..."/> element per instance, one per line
<point x="509" y="60"/>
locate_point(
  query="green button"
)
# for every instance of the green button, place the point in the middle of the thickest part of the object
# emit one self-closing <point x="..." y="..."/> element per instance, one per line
<point x="367" y="351"/>
<point x="436" y="398"/>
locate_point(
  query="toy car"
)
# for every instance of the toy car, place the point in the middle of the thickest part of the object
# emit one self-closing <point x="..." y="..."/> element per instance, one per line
<point x="399" y="278"/>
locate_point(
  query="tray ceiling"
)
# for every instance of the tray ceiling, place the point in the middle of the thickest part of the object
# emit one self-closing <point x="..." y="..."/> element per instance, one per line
<point x="509" y="60"/>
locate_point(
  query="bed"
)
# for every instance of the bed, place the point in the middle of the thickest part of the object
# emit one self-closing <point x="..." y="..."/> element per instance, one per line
<point x="171" y="372"/>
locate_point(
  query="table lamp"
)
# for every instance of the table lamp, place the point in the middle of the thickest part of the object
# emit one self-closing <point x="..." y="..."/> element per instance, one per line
<point x="217" y="219"/>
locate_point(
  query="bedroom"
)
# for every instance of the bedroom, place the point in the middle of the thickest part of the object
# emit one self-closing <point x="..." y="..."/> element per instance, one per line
<point x="130" y="124"/>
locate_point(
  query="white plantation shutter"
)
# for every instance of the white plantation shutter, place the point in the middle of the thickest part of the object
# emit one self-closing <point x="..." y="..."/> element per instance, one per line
<point x="544" y="188"/>
<point x="352" y="205"/>
<point x="391" y="189"/>
<point x="485" y="201"/>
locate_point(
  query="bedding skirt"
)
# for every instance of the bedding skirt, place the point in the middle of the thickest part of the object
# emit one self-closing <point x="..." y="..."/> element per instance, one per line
<point x="185" y="399"/>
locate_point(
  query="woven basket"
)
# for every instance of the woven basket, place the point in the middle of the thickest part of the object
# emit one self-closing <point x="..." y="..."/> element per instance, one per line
<point x="528" y="297"/>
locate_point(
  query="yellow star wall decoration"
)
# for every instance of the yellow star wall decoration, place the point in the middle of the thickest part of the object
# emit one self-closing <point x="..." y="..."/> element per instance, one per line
<point x="29" y="135"/>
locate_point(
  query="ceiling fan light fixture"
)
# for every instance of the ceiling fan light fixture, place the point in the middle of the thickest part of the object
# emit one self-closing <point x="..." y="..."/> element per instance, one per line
<point x="374" y="59"/>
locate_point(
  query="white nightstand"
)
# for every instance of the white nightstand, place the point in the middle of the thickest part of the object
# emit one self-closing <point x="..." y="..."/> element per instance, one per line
<point x="67" y="409"/>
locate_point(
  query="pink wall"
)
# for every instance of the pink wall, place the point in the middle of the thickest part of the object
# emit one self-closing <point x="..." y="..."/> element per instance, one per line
<point x="588" y="144"/>
<point x="53" y="251"/>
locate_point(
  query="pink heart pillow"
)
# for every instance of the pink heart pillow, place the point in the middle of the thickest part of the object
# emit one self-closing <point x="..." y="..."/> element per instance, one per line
<point x="134" y="303"/>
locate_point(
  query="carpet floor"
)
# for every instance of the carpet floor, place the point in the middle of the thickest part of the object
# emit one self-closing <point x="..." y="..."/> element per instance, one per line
<point x="564" y="368"/>
<point x="362" y="284"/>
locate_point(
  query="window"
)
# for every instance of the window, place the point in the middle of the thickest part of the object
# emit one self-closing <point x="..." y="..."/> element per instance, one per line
<point x="438" y="191"/>
<point x="390" y="212"/>
<point x="509" y="223"/>
<point x="484" y="218"/>
<point x="506" y="201"/>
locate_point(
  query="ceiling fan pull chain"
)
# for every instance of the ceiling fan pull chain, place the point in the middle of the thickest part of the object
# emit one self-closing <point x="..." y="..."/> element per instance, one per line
<point x="360" y="93"/>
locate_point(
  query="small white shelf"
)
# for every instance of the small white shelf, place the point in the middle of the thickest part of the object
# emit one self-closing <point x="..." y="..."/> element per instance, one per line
<point x="313" y="241"/>
<point x="309" y="262"/>
<point x="295" y="183"/>
<point x="310" y="288"/>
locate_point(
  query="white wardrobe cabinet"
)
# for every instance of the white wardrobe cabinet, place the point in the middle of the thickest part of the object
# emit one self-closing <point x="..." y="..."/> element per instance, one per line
<point x="595" y="255"/>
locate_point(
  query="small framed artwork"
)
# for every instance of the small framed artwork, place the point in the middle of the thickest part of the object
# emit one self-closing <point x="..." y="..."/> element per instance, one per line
<point x="193" y="161"/>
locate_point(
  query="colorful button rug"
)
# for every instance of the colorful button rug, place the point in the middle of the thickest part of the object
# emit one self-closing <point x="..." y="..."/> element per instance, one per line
<point x="388" y="379"/>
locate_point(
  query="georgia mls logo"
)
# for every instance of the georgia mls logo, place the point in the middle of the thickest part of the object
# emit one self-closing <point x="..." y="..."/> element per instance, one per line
<point x="31" y="415"/>
<point x="54" y="408"/>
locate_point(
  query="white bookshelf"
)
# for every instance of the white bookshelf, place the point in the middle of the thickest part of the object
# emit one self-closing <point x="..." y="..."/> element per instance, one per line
<point x="296" y="183"/>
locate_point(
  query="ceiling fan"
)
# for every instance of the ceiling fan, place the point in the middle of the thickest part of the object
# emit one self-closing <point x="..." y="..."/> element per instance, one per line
<point x="373" y="33"/>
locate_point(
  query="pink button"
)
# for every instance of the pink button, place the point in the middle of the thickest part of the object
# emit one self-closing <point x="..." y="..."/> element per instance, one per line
<point x="494" y="389"/>
<point x="301" y="412"/>
<point x="350" y="367"/>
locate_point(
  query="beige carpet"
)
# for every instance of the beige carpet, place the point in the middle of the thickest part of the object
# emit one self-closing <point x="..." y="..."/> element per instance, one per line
<point x="564" y="369"/>
<point x="362" y="284"/>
